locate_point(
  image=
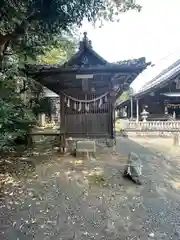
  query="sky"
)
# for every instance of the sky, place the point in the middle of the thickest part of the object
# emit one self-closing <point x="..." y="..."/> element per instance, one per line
<point x="153" y="33"/>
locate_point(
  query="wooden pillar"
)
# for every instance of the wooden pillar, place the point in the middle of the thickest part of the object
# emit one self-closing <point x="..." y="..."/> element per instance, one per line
<point x="62" y="124"/>
<point x="112" y="120"/>
<point x="58" y="112"/>
<point x="128" y="111"/>
<point x="131" y="108"/>
<point x="137" y="110"/>
<point x="111" y="100"/>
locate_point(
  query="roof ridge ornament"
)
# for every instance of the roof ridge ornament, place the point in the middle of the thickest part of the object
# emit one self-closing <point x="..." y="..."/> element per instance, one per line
<point x="85" y="42"/>
<point x="85" y="37"/>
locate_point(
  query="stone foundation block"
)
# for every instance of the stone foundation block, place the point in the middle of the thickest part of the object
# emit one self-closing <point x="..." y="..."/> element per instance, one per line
<point x="85" y="148"/>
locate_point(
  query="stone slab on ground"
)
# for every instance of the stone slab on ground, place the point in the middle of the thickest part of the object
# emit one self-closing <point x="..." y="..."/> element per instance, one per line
<point x="85" y="148"/>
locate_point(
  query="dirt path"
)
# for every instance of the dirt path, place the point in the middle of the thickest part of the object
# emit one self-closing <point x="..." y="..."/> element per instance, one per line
<point x="64" y="199"/>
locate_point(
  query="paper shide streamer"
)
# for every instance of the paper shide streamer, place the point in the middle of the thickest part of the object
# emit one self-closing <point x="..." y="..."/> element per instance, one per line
<point x="80" y="106"/>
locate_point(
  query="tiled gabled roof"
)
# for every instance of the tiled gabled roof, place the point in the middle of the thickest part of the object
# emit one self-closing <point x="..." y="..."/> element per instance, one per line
<point x="164" y="71"/>
<point x="161" y="79"/>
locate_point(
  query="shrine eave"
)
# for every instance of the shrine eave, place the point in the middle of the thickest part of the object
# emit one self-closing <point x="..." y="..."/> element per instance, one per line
<point x="108" y="68"/>
<point x="160" y="82"/>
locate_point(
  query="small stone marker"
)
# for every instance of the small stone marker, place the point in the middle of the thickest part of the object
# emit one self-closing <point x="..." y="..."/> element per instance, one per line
<point x="133" y="168"/>
<point x="42" y="120"/>
<point x="85" y="148"/>
<point x="176" y="139"/>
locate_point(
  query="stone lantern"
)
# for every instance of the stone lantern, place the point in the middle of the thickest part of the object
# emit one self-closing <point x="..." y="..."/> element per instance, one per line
<point x="144" y="115"/>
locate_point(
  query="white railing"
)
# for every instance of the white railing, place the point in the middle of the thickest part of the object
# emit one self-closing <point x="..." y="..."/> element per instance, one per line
<point x="153" y="125"/>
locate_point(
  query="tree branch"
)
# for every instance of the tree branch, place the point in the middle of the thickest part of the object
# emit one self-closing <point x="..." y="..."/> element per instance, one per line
<point x="3" y="49"/>
<point x="18" y="31"/>
<point x="24" y="89"/>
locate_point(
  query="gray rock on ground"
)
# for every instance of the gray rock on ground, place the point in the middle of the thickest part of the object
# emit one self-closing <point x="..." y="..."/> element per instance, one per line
<point x="133" y="168"/>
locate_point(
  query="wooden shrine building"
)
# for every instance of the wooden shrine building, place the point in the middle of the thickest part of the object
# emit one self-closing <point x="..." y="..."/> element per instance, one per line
<point x="160" y="97"/>
<point x="88" y="87"/>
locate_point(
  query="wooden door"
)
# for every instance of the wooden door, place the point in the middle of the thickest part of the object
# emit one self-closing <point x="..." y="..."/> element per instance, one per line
<point x="92" y="123"/>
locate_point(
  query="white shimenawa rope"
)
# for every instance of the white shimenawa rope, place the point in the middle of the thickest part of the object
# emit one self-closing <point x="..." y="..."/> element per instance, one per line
<point x="86" y="101"/>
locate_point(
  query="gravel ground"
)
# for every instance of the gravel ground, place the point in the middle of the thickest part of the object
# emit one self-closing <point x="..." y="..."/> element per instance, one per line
<point x="161" y="192"/>
<point x="60" y="198"/>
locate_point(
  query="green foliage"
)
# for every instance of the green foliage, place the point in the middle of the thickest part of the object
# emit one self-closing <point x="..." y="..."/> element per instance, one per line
<point x="58" y="55"/>
<point x="31" y="26"/>
<point x="22" y="99"/>
<point x="16" y="118"/>
<point x="126" y="94"/>
<point x="54" y="56"/>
